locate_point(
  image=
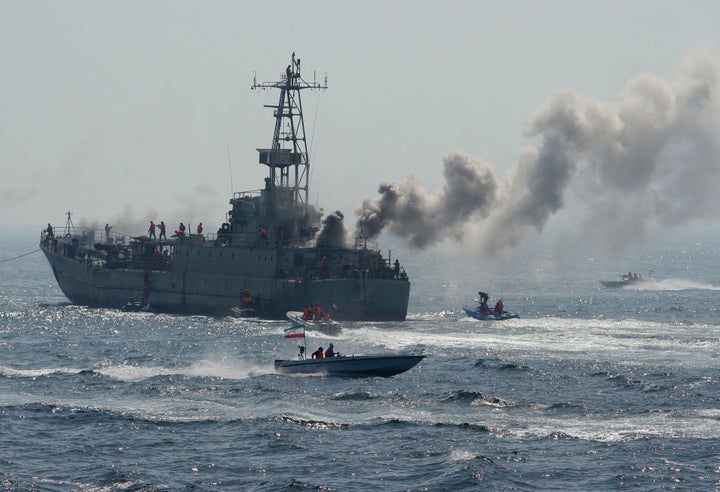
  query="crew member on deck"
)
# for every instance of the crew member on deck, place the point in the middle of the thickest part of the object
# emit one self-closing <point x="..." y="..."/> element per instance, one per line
<point x="162" y="230"/>
<point x="199" y="229"/>
<point x="499" y="307"/>
<point x="151" y="230"/>
<point x="318" y="354"/>
<point x="330" y="352"/>
<point x="483" y="307"/>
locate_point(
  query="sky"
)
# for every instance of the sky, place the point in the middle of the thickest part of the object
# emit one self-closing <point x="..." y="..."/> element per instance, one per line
<point x="479" y="126"/>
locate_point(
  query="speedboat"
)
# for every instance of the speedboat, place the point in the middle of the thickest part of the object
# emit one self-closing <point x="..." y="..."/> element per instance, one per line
<point x="353" y="366"/>
<point x="325" y="326"/>
<point x="629" y="279"/>
<point x="477" y="314"/>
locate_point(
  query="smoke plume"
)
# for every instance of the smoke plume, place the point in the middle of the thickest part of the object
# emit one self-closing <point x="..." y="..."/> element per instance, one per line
<point x="333" y="232"/>
<point x="650" y="158"/>
<point x="411" y="212"/>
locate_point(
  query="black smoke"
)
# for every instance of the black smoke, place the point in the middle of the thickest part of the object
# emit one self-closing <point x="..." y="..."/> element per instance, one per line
<point x="333" y="232"/>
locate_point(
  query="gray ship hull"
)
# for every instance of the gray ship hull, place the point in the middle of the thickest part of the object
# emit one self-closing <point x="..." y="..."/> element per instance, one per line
<point x="211" y="279"/>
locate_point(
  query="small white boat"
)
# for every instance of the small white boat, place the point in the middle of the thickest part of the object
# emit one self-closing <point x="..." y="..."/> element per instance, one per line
<point x="326" y="327"/>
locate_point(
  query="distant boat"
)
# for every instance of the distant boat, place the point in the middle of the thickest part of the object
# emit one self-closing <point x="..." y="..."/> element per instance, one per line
<point x="354" y="366"/>
<point x="475" y="313"/>
<point x="133" y="306"/>
<point x="328" y="327"/>
<point x="627" y="280"/>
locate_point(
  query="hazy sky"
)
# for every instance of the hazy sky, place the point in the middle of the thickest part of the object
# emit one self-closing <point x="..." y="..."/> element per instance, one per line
<point x="580" y="118"/>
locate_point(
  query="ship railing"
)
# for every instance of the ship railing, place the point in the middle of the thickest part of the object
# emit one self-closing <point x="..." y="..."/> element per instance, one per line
<point x="239" y="195"/>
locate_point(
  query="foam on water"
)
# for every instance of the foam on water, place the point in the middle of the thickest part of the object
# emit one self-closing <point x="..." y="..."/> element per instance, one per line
<point x="226" y="369"/>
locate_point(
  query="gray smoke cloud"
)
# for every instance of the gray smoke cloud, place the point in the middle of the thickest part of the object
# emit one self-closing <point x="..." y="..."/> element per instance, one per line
<point x="650" y="158"/>
<point x="410" y="211"/>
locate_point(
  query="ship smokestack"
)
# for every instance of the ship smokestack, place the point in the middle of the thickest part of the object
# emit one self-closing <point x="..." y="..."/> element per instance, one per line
<point x="333" y="233"/>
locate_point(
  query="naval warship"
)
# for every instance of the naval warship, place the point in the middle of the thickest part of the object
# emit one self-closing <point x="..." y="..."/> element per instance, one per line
<point x="274" y="253"/>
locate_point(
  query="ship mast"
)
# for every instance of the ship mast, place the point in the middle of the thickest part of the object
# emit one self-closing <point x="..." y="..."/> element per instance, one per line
<point x="288" y="160"/>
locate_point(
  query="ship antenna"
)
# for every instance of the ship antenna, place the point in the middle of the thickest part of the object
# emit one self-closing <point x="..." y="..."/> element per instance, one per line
<point x="69" y="227"/>
<point x="313" y="147"/>
<point x="232" y="188"/>
<point x="288" y="158"/>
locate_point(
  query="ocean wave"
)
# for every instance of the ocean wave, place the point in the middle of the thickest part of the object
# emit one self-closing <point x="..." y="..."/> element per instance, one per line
<point x="474" y="398"/>
<point x="11" y="372"/>
<point x="628" y="382"/>
<point x="354" y="396"/>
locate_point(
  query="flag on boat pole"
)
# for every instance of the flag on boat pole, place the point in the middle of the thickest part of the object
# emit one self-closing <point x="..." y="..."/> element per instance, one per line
<point x="297" y="331"/>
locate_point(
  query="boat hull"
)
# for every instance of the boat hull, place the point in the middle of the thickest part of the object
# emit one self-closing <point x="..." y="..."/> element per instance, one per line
<point x="214" y="287"/>
<point x="474" y="313"/>
<point x="329" y="327"/>
<point x="619" y="284"/>
<point x="353" y="366"/>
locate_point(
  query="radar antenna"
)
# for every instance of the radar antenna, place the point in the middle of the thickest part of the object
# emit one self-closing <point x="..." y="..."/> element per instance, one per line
<point x="69" y="227"/>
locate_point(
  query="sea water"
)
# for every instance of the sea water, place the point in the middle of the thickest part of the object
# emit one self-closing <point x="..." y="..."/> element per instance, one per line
<point x="591" y="389"/>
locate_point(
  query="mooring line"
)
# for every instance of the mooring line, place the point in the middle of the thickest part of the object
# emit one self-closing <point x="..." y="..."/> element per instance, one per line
<point x="17" y="257"/>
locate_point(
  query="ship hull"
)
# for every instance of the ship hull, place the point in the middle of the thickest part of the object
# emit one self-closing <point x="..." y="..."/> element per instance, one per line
<point x="213" y="288"/>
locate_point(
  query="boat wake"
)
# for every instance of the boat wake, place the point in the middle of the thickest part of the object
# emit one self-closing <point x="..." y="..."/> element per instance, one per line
<point x="130" y="373"/>
<point x="673" y="284"/>
<point x="201" y="369"/>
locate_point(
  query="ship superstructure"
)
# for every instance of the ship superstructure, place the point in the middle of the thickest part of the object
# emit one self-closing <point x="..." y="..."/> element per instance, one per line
<point x="272" y="245"/>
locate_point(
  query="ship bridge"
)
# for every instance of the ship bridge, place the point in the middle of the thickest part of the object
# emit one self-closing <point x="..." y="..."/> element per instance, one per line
<point x="283" y="202"/>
